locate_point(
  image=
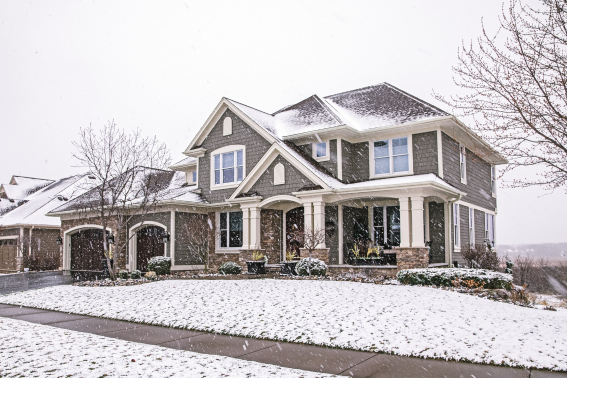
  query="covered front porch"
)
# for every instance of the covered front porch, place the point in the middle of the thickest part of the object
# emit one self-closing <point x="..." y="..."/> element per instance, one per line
<point x="409" y="225"/>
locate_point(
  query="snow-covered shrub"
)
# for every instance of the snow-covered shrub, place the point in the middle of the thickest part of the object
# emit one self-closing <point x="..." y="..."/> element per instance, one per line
<point x="315" y="266"/>
<point x="136" y="274"/>
<point x="124" y="274"/>
<point x="150" y="275"/>
<point x="230" y="268"/>
<point x="160" y="264"/>
<point x="456" y="277"/>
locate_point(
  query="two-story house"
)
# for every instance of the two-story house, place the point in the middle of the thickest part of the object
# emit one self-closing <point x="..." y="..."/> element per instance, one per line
<point x="369" y="164"/>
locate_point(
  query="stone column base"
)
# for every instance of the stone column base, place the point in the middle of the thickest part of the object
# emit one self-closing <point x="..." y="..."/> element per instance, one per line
<point x="412" y="257"/>
<point x="321" y="254"/>
<point x="246" y="255"/>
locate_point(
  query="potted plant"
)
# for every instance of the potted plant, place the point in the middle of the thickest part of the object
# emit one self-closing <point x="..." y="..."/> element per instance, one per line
<point x="288" y="267"/>
<point x="257" y="265"/>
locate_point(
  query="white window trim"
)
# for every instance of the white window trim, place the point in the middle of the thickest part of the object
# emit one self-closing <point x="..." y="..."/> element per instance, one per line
<point x="493" y="177"/>
<point x="391" y="174"/>
<point x="327" y="155"/>
<point x="487" y="229"/>
<point x="189" y="177"/>
<point x="472" y="227"/>
<point x="225" y="250"/>
<point x="463" y="180"/>
<point x="222" y="150"/>
<point x="456" y="227"/>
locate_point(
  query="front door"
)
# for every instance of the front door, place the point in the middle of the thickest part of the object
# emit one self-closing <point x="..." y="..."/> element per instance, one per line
<point x="294" y="227"/>
<point x="437" y="251"/>
<point x="149" y="245"/>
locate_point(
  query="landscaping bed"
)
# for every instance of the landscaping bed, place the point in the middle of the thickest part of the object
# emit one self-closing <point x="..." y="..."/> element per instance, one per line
<point x="390" y="318"/>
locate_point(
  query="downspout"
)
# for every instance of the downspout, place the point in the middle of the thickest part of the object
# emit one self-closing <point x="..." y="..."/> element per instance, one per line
<point x="450" y="227"/>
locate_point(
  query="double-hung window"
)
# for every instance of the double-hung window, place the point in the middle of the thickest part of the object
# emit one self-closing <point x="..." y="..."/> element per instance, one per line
<point x="391" y="156"/>
<point x="490" y="222"/>
<point x="231" y="229"/>
<point x="463" y="164"/>
<point x="386" y="225"/>
<point x="472" y="227"/>
<point x="456" y="225"/>
<point x="228" y="167"/>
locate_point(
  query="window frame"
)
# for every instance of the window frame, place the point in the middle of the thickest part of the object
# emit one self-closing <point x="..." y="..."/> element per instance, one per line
<point x="385" y="224"/>
<point x="492" y="218"/>
<point x="221" y="151"/>
<point x="456" y="225"/>
<point x="462" y="162"/>
<point x="327" y="155"/>
<point x="472" y="227"/>
<point x="409" y="146"/>
<point x="493" y="176"/>
<point x="220" y="248"/>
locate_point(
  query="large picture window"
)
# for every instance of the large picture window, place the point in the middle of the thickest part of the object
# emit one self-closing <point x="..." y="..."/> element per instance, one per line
<point x="391" y="156"/>
<point x="386" y="225"/>
<point x="228" y="167"/>
<point x="231" y="229"/>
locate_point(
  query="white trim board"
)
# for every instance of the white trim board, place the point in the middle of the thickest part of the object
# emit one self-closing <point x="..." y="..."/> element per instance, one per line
<point x="486" y="210"/>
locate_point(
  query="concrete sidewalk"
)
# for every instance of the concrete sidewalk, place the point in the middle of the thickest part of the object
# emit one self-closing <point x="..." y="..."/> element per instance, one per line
<point x="357" y="364"/>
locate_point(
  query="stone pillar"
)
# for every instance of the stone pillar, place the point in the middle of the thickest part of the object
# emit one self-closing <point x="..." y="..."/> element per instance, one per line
<point x="418" y="235"/>
<point x="319" y="217"/>
<point x="246" y="229"/>
<point x="320" y="254"/>
<point x="412" y="257"/>
<point x="254" y="228"/>
<point x="404" y="223"/>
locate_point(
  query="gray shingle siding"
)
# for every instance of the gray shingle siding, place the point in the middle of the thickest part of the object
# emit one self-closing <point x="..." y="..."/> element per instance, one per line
<point x="479" y="227"/>
<point x="355" y="162"/>
<point x="331" y="164"/>
<point x="183" y="255"/>
<point x="464" y="231"/>
<point x="294" y="180"/>
<point x="479" y="181"/>
<point x="243" y="134"/>
<point x="425" y="160"/>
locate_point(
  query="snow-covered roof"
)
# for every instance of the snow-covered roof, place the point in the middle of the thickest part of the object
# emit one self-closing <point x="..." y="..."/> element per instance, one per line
<point x="35" y="207"/>
<point x="184" y="163"/>
<point x="22" y="186"/>
<point x="397" y="181"/>
<point x="362" y="109"/>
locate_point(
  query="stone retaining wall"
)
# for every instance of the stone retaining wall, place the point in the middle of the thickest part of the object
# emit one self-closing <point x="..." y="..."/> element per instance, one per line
<point x="365" y="270"/>
<point x="33" y="280"/>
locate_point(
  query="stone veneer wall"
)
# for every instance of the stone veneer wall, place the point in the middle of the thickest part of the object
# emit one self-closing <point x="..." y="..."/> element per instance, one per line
<point x="270" y="234"/>
<point x="412" y="257"/>
<point x="321" y="254"/>
<point x="389" y="272"/>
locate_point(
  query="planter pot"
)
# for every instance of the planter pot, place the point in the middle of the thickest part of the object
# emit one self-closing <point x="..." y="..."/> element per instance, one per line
<point x="256" y="267"/>
<point x="289" y="268"/>
<point x="25" y="269"/>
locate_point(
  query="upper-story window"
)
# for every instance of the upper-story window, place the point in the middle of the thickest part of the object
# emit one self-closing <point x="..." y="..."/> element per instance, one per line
<point x="321" y="151"/>
<point x="391" y="156"/>
<point x="227" y="167"/>
<point x="493" y="172"/>
<point x="463" y="164"/>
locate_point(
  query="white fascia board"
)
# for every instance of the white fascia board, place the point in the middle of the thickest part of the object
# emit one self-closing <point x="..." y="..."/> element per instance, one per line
<point x="264" y="163"/>
<point x="184" y="167"/>
<point x="494" y="158"/>
<point x="473" y="206"/>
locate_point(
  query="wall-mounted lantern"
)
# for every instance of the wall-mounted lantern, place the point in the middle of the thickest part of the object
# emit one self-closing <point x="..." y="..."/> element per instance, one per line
<point x="166" y="237"/>
<point x="59" y="241"/>
<point x="110" y="238"/>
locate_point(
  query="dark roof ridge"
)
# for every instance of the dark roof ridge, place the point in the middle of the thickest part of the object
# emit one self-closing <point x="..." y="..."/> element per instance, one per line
<point x="292" y="105"/>
<point x="353" y="90"/>
<point x="329" y="110"/>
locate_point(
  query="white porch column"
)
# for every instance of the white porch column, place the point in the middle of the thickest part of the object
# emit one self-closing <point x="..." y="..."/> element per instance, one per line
<point x="319" y="217"/>
<point x="246" y="228"/>
<point x="254" y="228"/>
<point x="308" y="217"/>
<point x="172" y="244"/>
<point x="417" y="222"/>
<point x="340" y="233"/>
<point x="404" y="223"/>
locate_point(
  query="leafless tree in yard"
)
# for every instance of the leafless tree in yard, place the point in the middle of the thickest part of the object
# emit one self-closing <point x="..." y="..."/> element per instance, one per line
<point x="129" y="174"/>
<point x="515" y="85"/>
<point x="310" y="239"/>
<point x="198" y="232"/>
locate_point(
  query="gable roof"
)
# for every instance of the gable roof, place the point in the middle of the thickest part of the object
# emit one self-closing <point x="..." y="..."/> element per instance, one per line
<point x="20" y="187"/>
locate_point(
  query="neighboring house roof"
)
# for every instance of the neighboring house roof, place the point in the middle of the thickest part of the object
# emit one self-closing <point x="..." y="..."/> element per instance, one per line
<point x="20" y="187"/>
<point x="185" y="163"/>
<point x="36" y="205"/>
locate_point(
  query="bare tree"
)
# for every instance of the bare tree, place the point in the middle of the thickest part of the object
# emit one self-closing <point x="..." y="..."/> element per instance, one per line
<point x="516" y="89"/>
<point x="198" y="232"/>
<point x="130" y="177"/>
<point x="311" y="240"/>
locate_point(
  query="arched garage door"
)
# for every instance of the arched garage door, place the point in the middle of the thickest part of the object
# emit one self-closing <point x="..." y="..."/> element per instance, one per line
<point x="87" y="250"/>
<point x="149" y="244"/>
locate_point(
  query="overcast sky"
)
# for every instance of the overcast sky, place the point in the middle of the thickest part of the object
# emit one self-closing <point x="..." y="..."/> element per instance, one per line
<point x="163" y="66"/>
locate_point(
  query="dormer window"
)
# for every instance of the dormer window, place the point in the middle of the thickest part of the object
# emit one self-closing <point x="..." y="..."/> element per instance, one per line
<point x="321" y="151"/>
<point x="227" y="167"/>
<point x="391" y="157"/>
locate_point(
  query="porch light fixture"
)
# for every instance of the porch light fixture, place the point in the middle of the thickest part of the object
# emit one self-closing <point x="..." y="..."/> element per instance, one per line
<point x="59" y="241"/>
<point x="330" y="228"/>
<point x="110" y="238"/>
<point x="166" y="237"/>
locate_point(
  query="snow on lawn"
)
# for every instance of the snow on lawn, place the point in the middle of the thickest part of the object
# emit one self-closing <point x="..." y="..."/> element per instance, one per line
<point x="403" y="320"/>
<point x="32" y="350"/>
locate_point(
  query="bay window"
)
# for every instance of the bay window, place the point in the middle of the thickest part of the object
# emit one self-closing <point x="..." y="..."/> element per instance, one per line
<point x="391" y="156"/>
<point x="231" y="229"/>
